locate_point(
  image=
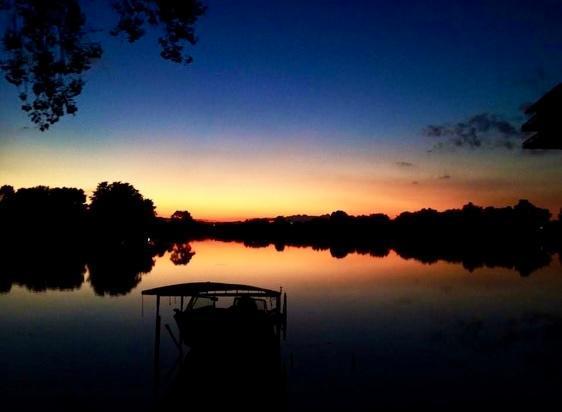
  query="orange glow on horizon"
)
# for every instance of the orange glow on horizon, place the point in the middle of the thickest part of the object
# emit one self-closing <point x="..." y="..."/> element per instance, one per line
<point x="228" y="185"/>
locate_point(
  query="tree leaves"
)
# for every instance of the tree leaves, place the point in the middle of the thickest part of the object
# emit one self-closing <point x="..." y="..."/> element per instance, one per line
<point x="47" y="51"/>
<point x="176" y="18"/>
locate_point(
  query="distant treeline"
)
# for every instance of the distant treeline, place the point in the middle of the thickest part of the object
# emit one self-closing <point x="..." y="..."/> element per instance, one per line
<point x="522" y="237"/>
<point x="523" y="219"/>
<point x="50" y="236"/>
<point x="119" y="211"/>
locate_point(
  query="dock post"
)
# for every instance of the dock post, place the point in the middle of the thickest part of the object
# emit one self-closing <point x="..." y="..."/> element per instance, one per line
<point x="284" y="315"/>
<point x="157" y="347"/>
<point x="278" y="314"/>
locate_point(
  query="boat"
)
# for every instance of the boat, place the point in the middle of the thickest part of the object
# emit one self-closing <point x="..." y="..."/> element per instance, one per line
<point x="225" y="313"/>
<point x="233" y="335"/>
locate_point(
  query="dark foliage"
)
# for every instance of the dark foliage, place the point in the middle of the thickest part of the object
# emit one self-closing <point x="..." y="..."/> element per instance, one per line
<point x="45" y="212"/>
<point x="46" y="54"/>
<point x="47" y="50"/>
<point x="182" y="216"/>
<point x="119" y="211"/>
<point x="176" y="19"/>
<point x="6" y="192"/>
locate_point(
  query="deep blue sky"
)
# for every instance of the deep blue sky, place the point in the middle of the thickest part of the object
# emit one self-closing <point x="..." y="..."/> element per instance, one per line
<point x="350" y="82"/>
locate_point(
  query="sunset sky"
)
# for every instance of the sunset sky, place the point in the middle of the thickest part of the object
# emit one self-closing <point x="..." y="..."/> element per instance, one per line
<point x="308" y="107"/>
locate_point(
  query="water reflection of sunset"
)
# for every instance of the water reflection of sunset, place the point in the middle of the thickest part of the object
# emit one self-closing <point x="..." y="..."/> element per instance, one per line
<point x="393" y="314"/>
<point x="316" y="275"/>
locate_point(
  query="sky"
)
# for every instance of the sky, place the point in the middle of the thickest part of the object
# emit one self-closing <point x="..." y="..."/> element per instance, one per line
<point x="299" y="107"/>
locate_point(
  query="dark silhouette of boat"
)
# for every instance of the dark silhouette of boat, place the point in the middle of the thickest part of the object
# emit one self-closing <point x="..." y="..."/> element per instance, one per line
<point x="233" y="334"/>
<point x="222" y="313"/>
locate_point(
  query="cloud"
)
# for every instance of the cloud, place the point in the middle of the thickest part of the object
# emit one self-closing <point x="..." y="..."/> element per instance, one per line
<point x="484" y="130"/>
<point x="405" y="164"/>
<point x="444" y="177"/>
<point x="415" y="182"/>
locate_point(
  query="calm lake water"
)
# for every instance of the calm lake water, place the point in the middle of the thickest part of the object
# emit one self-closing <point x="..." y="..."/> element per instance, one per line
<point x="363" y="333"/>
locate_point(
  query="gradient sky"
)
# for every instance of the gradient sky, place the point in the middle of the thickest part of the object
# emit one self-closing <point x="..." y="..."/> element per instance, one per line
<point x="306" y="107"/>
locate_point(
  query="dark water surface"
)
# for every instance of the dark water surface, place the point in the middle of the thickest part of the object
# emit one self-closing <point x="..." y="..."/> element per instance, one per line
<point x="364" y="333"/>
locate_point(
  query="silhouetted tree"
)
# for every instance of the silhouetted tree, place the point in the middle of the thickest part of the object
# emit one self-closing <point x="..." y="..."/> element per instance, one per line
<point x="529" y="216"/>
<point x="47" y="50"/>
<point x="6" y="192"/>
<point x="339" y="216"/>
<point x="43" y="211"/>
<point x="545" y="123"/>
<point x="182" y="216"/>
<point x="6" y="196"/>
<point x="119" y="210"/>
<point x="280" y="220"/>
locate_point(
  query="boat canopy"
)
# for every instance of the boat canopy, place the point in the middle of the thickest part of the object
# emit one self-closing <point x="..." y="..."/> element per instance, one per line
<point x="210" y="289"/>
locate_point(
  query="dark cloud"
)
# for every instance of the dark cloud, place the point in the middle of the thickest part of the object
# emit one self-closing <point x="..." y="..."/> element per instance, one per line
<point x="405" y="164"/>
<point x="444" y="177"/>
<point x="415" y="182"/>
<point x="484" y="130"/>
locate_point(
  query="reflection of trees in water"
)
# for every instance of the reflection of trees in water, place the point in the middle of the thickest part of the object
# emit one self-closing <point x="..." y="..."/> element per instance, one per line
<point x="524" y="258"/>
<point x="181" y="253"/>
<point x="340" y="251"/>
<point x="113" y="270"/>
<point x="39" y="270"/>
<point x="116" y="271"/>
